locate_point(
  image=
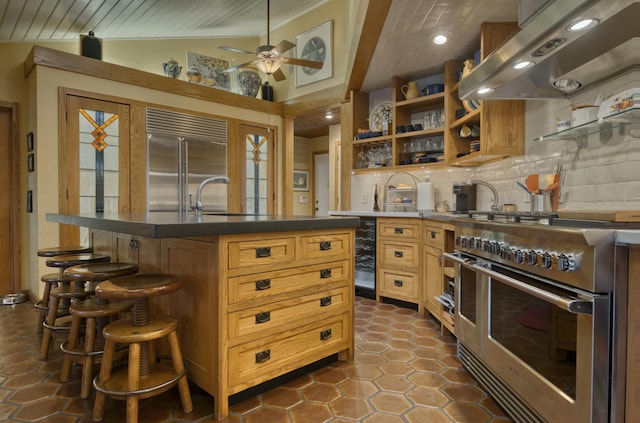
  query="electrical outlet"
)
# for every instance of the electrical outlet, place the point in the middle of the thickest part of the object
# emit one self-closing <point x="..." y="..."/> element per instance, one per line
<point x="364" y="198"/>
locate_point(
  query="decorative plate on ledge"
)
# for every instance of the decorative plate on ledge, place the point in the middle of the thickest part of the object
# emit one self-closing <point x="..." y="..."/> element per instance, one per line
<point x="379" y="113"/>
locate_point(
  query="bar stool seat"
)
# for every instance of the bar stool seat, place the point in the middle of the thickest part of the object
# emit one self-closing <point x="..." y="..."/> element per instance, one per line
<point x="51" y="280"/>
<point x="61" y="297"/>
<point x="62" y="251"/>
<point x="96" y="313"/>
<point x="144" y="377"/>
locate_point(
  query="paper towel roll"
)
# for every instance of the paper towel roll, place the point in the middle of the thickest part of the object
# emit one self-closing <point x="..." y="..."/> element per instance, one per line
<point x="426" y="197"/>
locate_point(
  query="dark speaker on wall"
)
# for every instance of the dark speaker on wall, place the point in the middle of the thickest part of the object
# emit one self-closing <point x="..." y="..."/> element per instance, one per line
<point x="91" y="46"/>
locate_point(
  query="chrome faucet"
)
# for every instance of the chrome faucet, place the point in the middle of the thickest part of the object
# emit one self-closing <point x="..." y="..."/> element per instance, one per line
<point x="199" y="206"/>
<point x="496" y="206"/>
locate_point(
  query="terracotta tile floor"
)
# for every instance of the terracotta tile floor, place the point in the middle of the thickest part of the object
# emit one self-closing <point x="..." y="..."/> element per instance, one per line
<point x="404" y="371"/>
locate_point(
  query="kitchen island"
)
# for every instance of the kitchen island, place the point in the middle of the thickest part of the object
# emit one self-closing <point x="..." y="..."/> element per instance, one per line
<point x="261" y="295"/>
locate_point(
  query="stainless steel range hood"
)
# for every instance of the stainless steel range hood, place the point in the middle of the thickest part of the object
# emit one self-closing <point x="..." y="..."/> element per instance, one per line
<point x="609" y="48"/>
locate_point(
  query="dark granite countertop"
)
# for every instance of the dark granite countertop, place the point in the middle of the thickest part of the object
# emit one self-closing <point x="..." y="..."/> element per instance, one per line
<point x="180" y="225"/>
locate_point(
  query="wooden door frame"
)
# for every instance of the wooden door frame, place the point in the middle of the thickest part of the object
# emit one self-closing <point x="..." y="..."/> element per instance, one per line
<point x="69" y="235"/>
<point x="14" y="187"/>
<point x="237" y="174"/>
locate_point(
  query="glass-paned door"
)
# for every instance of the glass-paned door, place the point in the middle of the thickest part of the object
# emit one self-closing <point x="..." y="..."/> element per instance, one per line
<point x="258" y="170"/>
<point x="94" y="159"/>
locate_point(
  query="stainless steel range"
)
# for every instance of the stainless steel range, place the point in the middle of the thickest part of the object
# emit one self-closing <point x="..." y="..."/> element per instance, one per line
<point x="539" y="314"/>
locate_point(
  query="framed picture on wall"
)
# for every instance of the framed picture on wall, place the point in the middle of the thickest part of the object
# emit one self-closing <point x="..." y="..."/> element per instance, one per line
<point x="317" y="45"/>
<point x="301" y="180"/>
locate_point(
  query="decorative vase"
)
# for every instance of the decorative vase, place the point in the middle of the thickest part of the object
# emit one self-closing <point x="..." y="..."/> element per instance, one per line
<point x="410" y="90"/>
<point x="249" y="82"/>
<point x="194" y="75"/>
<point x="172" y="69"/>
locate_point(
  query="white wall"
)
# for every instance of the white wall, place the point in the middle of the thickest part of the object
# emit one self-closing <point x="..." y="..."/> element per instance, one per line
<point x="601" y="171"/>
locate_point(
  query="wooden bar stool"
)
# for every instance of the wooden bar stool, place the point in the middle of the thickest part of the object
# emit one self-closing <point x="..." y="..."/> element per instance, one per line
<point x="51" y="280"/>
<point x="144" y="377"/>
<point x="62" y="296"/>
<point x="96" y="313"/>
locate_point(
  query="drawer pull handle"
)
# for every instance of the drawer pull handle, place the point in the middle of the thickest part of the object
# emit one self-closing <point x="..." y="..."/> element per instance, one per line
<point x="325" y="245"/>
<point x="398" y="230"/>
<point x="325" y="301"/>
<point x="398" y="253"/>
<point x="263" y="252"/>
<point x="263" y="317"/>
<point x="325" y="273"/>
<point x="433" y="234"/>
<point x="397" y="282"/>
<point x="325" y="334"/>
<point x="263" y="356"/>
<point x="263" y="284"/>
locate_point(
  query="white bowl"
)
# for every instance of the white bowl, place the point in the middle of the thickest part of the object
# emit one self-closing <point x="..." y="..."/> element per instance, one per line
<point x="584" y="115"/>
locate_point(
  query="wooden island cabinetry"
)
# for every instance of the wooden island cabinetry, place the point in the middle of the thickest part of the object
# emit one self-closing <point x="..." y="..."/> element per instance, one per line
<point x="252" y="306"/>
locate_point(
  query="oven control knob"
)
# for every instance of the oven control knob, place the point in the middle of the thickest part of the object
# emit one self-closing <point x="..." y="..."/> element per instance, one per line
<point x="472" y="242"/>
<point x="505" y="253"/>
<point x="464" y="241"/>
<point x="486" y="245"/>
<point x="532" y="257"/>
<point x="566" y="263"/>
<point x="478" y="243"/>
<point x="546" y="261"/>
<point x="495" y="247"/>
<point x="518" y="256"/>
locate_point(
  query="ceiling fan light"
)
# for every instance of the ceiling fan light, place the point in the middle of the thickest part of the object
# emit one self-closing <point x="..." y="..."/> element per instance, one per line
<point x="268" y="66"/>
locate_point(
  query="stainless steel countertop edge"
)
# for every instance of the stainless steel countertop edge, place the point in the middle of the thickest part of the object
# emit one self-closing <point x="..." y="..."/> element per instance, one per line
<point x="179" y="225"/>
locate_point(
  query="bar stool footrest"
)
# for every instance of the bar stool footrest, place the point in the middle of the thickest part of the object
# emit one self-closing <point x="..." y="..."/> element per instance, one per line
<point x="161" y="378"/>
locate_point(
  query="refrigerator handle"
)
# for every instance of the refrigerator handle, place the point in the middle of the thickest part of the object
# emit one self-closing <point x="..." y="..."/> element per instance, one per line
<point x="186" y="175"/>
<point x="181" y="179"/>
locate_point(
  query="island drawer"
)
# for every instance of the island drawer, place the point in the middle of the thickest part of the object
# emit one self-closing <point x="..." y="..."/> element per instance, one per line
<point x="403" y="285"/>
<point x="273" y="283"/>
<point x="282" y="315"/>
<point x="400" y="229"/>
<point x="325" y="245"/>
<point x="432" y="235"/>
<point x="260" y="360"/>
<point x="399" y="254"/>
<point x="245" y="254"/>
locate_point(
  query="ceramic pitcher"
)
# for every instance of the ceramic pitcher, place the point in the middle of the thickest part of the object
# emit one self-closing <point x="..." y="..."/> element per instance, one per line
<point x="410" y="90"/>
<point x="172" y="69"/>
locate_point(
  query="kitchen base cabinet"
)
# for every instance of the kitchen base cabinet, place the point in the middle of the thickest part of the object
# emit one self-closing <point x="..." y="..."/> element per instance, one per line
<point x="438" y="273"/>
<point x="252" y="306"/>
<point x="398" y="259"/>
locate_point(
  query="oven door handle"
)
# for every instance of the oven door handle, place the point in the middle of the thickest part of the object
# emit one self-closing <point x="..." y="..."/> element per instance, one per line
<point x="569" y="304"/>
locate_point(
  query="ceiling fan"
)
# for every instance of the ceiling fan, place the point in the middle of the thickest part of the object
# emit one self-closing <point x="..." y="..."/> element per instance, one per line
<point x="270" y="58"/>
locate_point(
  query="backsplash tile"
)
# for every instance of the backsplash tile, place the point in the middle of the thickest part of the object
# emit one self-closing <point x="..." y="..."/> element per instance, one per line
<point x="601" y="171"/>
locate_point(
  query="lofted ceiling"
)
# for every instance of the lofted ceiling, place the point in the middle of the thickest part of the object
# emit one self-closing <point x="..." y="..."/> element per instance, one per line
<point x="403" y="49"/>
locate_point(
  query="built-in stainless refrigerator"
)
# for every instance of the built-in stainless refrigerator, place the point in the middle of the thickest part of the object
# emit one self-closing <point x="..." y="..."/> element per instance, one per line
<point x="182" y="151"/>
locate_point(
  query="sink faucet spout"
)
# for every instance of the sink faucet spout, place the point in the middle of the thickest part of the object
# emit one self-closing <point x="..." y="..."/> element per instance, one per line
<point x="199" y="206"/>
<point x="495" y="206"/>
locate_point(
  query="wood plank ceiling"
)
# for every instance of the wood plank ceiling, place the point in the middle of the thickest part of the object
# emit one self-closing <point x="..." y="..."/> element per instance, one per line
<point x="404" y="48"/>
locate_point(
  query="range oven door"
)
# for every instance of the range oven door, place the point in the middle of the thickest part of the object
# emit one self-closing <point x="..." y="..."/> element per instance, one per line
<point x="550" y="344"/>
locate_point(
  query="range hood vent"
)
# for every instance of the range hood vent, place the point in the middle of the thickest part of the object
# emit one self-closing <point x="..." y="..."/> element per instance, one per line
<point x="609" y="48"/>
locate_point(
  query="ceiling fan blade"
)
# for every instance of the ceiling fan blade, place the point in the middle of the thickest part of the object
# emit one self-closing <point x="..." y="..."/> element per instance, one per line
<point x="302" y="62"/>
<point x="283" y="47"/>
<point x="236" y="50"/>
<point x="279" y="75"/>
<point x="240" y="66"/>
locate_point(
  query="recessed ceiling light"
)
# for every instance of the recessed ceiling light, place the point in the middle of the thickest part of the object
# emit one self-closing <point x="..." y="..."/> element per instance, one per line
<point x="484" y="90"/>
<point x="328" y="116"/>
<point x="523" y="64"/>
<point x="567" y="84"/>
<point x="582" y="24"/>
<point x="440" y="37"/>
